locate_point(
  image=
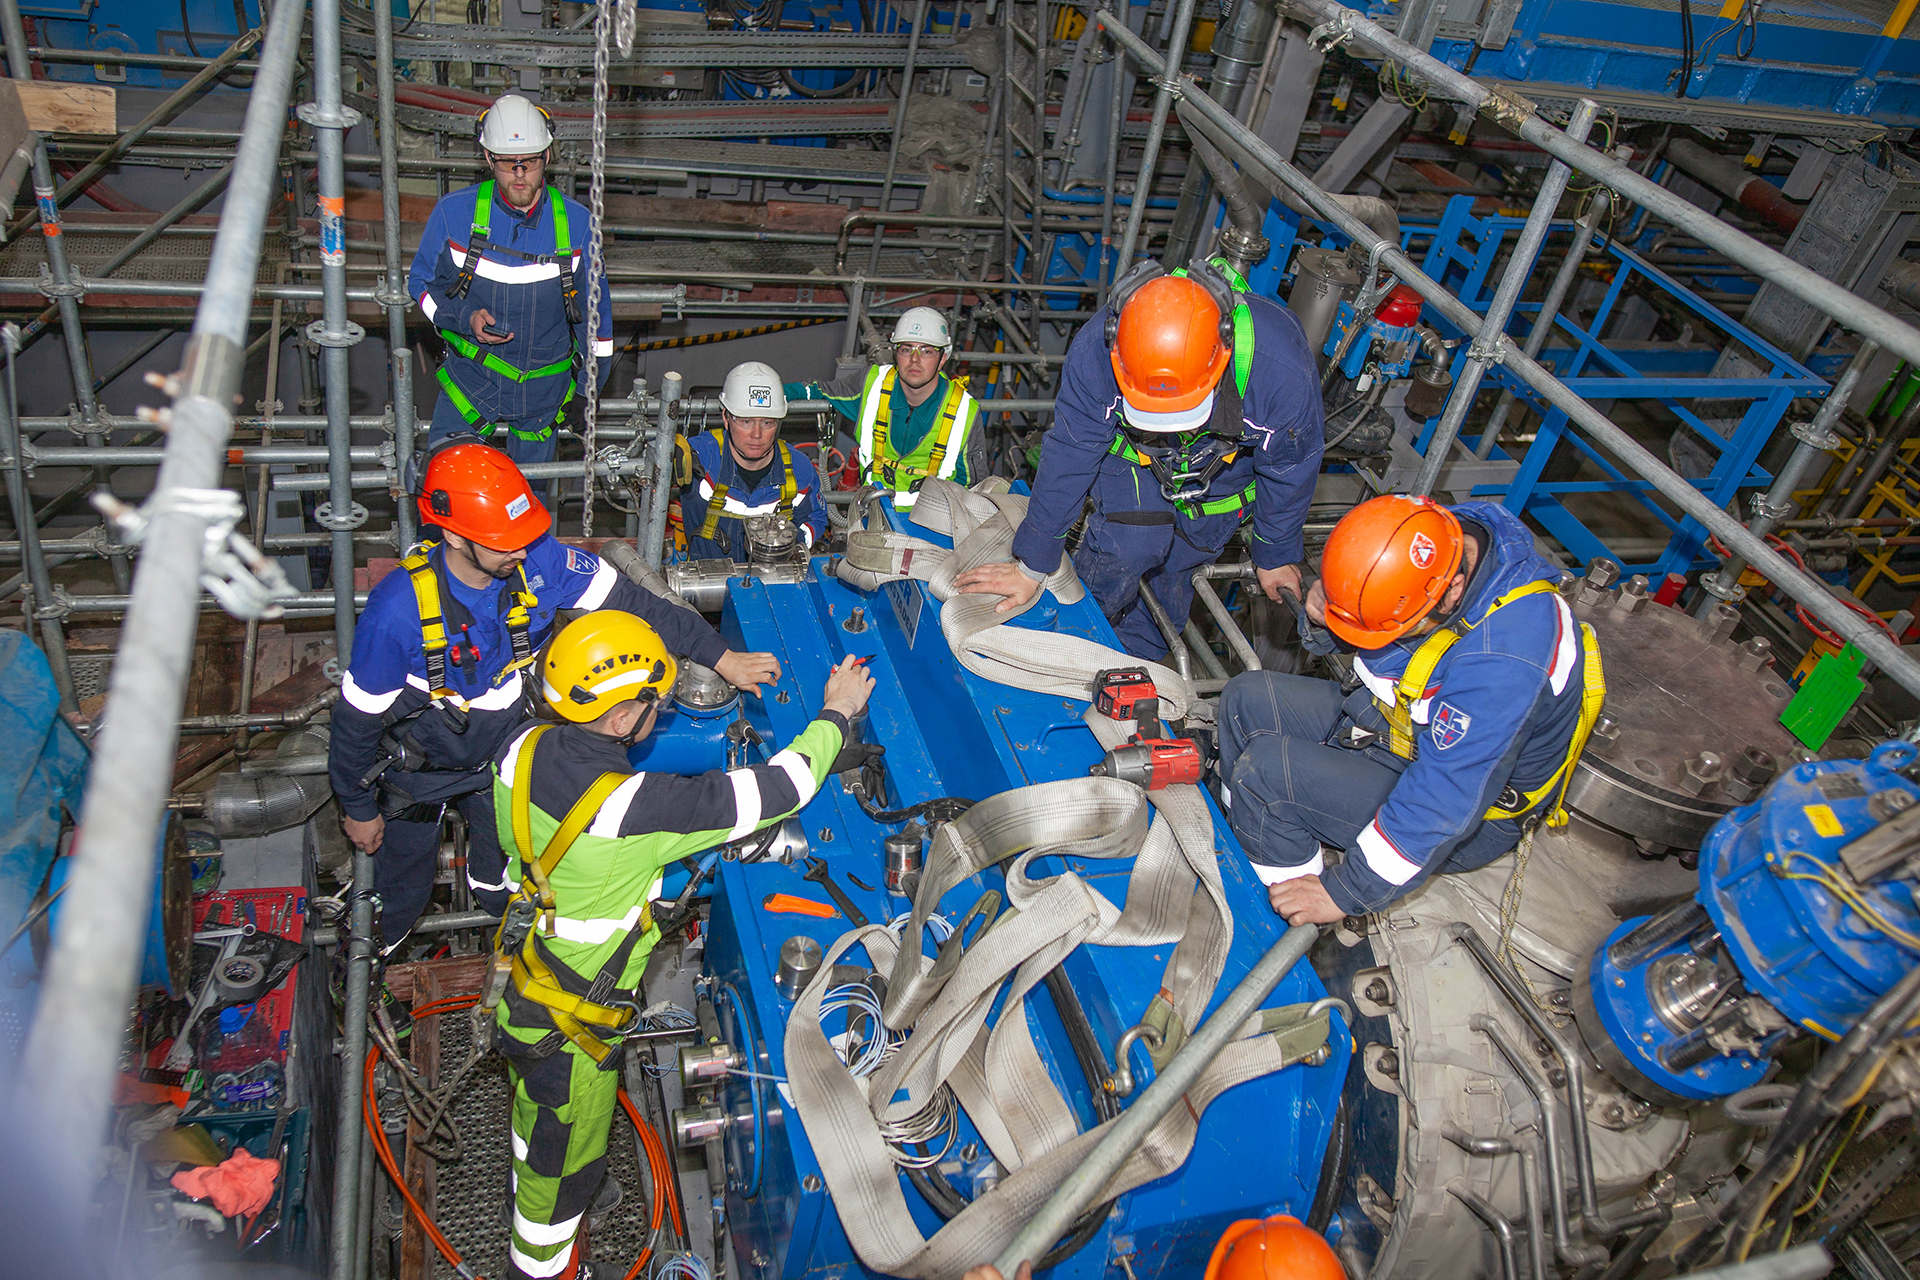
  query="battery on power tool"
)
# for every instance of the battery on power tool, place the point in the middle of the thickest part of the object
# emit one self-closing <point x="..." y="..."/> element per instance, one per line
<point x="1152" y="760"/>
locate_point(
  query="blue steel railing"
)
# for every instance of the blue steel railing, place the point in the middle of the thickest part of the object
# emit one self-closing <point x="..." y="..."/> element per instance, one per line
<point x="1462" y="255"/>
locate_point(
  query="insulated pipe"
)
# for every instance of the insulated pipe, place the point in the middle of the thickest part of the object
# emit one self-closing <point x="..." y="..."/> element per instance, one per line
<point x="400" y="357"/>
<point x="1549" y="310"/>
<point x="1169" y="1089"/>
<point x="1486" y="348"/>
<point x="1518" y="116"/>
<point x="1156" y="130"/>
<point x="1238" y="45"/>
<point x="68" y="1064"/>
<point x="1903" y="280"/>
<point x="1796" y="582"/>
<point x="1734" y="180"/>
<point x="1241" y="245"/>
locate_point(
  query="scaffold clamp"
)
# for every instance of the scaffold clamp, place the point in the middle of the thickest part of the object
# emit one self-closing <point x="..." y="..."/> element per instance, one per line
<point x="246" y="583"/>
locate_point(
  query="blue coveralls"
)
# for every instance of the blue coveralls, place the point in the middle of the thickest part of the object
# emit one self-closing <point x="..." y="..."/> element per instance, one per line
<point x="386" y="685"/>
<point x="1496" y="723"/>
<point x="525" y="298"/>
<point x="714" y="465"/>
<point x="1133" y="529"/>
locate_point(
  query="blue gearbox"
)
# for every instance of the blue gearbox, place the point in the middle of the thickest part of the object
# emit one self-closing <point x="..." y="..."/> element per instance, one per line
<point x="1805" y="915"/>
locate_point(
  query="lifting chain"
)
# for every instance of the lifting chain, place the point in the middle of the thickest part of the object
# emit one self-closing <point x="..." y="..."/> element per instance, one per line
<point x="596" y="197"/>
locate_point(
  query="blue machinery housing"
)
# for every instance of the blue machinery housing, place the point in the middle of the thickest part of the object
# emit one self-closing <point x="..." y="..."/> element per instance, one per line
<point x="949" y="733"/>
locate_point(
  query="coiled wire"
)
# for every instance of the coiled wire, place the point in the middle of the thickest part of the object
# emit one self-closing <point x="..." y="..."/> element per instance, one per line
<point x="939" y="1119"/>
<point x="878" y="1044"/>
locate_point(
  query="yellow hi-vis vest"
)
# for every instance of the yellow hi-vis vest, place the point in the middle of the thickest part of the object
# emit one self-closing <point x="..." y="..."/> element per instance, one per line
<point x="1412" y="687"/>
<point x="937" y="454"/>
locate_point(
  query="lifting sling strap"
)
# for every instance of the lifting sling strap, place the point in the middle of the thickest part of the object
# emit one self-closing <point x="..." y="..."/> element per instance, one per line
<point x="562" y="256"/>
<point x="435" y="641"/>
<point x="716" y="505"/>
<point x="1412" y="688"/>
<point x="518" y="949"/>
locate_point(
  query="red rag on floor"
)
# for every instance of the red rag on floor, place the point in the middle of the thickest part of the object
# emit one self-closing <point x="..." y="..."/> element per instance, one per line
<point x="239" y="1186"/>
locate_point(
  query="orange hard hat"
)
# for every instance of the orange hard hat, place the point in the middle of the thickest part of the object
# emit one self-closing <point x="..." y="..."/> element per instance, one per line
<point x="1168" y="353"/>
<point x="1281" y="1248"/>
<point x="474" y="490"/>
<point x="1387" y="563"/>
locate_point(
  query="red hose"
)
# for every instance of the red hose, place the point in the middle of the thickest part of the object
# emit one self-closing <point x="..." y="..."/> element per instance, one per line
<point x="665" y="1189"/>
<point x="1801" y="611"/>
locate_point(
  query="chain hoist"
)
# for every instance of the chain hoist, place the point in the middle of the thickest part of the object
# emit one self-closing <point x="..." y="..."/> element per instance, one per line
<point x="596" y="198"/>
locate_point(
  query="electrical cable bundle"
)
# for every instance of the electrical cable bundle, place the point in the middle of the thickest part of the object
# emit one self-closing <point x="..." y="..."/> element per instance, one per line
<point x="941" y="1116"/>
<point x="1686" y="48"/>
<point x="681" y="1266"/>
<point x="664" y="1017"/>
<point x="858" y="1000"/>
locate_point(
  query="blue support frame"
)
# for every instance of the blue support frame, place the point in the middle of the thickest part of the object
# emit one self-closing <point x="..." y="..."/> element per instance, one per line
<point x="1462" y="256"/>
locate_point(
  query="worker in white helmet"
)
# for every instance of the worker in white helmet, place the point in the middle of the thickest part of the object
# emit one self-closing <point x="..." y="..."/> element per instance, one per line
<point x="912" y="421"/>
<point x="743" y="469"/>
<point x="502" y="273"/>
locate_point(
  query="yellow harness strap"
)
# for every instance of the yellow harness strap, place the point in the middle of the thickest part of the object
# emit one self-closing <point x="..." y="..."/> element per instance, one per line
<point x="532" y="976"/>
<point x="716" y="505"/>
<point x="434" y="640"/>
<point x="1412" y="687"/>
<point x="890" y="471"/>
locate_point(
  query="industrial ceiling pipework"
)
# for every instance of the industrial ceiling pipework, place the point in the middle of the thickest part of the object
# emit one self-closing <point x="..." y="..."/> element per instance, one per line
<point x="1667" y="1033"/>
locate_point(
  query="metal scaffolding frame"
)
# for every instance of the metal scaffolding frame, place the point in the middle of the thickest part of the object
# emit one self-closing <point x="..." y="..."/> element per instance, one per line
<point x="1000" y="256"/>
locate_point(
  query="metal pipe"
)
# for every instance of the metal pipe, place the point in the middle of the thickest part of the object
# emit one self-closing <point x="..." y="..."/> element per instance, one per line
<point x="1175" y="646"/>
<point x="399" y="356"/>
<point x="654" y="544"/>
<point x="899" y="127"/>
<point x="68" y="1064"/>
<point x="1486" y="348"/>
<point x="1730" y="178"/>
<point x="1237" y="46"/>
<point x="1496" y="1223"/>
<point x="1544" y="1098"/>
<point x="880" y="218"/>
<point x="1236" y="638"/>
<point x="172" y="105"/>
<point x="1549" y="310"/>
<point x="1530" y="1194"/>
<point x="53" y="641"/>
<point x="1518" y="116"/>
<point x="1169" y="1088"/>
<point x="348" y="1151"/>
<point x="1895" y="435"/>
<point x="670" y="295"/>
<point x="153" y="455"/>
<point x="1802" y="586"/>
<point x="1156" y="129"/>
<point x="1812" y="440"/>
<point x="330" y="122"/>
<point x="1209" y="661"/>
<point x="1116" y="115"/>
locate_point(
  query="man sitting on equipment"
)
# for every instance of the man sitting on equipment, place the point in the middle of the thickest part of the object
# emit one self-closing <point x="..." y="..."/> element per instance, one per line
<point x="911" y="421"/>
<point x="589" y="838"/>
<point x="502" y="273"/>
<point x="1180" y="432"/>
<point x="1479" y="691"/>
<point x="437" y="680"/>
<point x="744" y="470"/>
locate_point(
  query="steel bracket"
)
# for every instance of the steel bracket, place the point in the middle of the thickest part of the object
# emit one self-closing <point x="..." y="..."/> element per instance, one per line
<point x="1811" y="432"/>
<point x="387" y="296"/>
<point x="1772" y="510"/>
<point x="1494" y="352"/>
<point x="246" y="583"/>
<point x="51" y="288"/>
<point x="1331" y="34"/>
<point x="1731" y="592"/>
<point x="318" y="333"/>
<point x="324" y="517"/>
<point x="1507" y="107"/>
<point x="344" y="118"/>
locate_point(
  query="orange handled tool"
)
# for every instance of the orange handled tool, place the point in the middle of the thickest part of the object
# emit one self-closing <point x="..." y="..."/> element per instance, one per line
<point x="798" y="906"/>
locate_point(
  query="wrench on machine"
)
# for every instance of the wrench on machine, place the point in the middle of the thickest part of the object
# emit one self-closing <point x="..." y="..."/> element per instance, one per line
<point x="817" y="871"/>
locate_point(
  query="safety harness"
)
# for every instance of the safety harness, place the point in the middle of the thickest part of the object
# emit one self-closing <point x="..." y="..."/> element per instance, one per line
<point x="716" y="504"/>
<point x="425" y="574"/>
<point x="1185" y="471"/>
<point x="900" y="475"/>
<point x="578" y="1009"/>
<point x="477" y="244"/>
<point x="1412" y="688"/>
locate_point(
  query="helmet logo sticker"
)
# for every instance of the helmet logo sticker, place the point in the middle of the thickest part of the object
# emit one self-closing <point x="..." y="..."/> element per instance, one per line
<point x="760" y="397"/>
<point x="1421" y="552"/>
<point x="518" y="507"/>
<point x="1450" y="725"/>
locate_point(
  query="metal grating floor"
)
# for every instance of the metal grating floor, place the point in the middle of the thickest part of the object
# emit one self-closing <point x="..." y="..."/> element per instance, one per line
<point x="469" y="1195"/>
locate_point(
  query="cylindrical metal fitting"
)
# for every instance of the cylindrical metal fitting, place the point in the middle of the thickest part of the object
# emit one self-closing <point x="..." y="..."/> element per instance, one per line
<point x="800" y="960"/>
<point x="904" y="861"/>
<point x="694" y="1127"/>
<point x="704" y="1063"/>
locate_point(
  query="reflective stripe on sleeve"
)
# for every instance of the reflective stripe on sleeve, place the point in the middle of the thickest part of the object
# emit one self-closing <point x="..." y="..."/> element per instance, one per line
<point x="374" y="704"/>
<point x="599" y="589"/>
<point x="1271" y="875"/>
<point x="746" y="803"/>
<point x="798" y="772"/>
<point x="1382" y="858"/>
<point x="613" y="810"/>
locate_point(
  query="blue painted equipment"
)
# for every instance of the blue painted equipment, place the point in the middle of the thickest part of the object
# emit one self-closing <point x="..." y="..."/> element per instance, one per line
<point x="1805" y="916"/>
<point x="1385" y="345"/>
<point x="948" y="733"/>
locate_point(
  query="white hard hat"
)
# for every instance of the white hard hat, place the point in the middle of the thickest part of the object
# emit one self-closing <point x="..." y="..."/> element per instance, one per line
<point x="753" y="390"/>
<point x="513" y="126"/>
<point x="924" y="325"/>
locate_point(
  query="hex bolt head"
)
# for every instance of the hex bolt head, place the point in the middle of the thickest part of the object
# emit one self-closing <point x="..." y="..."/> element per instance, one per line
<point x="1607" y="729"/>
<point x="1701" y="772"/>
<point x="1602" y="572"/>
<point x="1754" y="654"/>
<point x="1755" y="765"/>
<point x="1389" y="1064"/>
<point x="1635" y="586"/>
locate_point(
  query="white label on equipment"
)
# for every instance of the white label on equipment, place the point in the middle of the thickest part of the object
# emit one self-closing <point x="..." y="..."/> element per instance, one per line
<point x="906" y="598"/>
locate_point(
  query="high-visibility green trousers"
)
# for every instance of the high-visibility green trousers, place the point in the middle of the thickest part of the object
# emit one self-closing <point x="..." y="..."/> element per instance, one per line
<point x="562" y="1112"/>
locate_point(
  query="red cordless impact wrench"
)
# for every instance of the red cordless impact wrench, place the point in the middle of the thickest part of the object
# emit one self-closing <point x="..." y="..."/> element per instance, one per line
<point x="1152" y="760"/>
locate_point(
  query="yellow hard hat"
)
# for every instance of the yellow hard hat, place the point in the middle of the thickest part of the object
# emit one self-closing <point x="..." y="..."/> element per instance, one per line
<point x="602" y="660"/>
